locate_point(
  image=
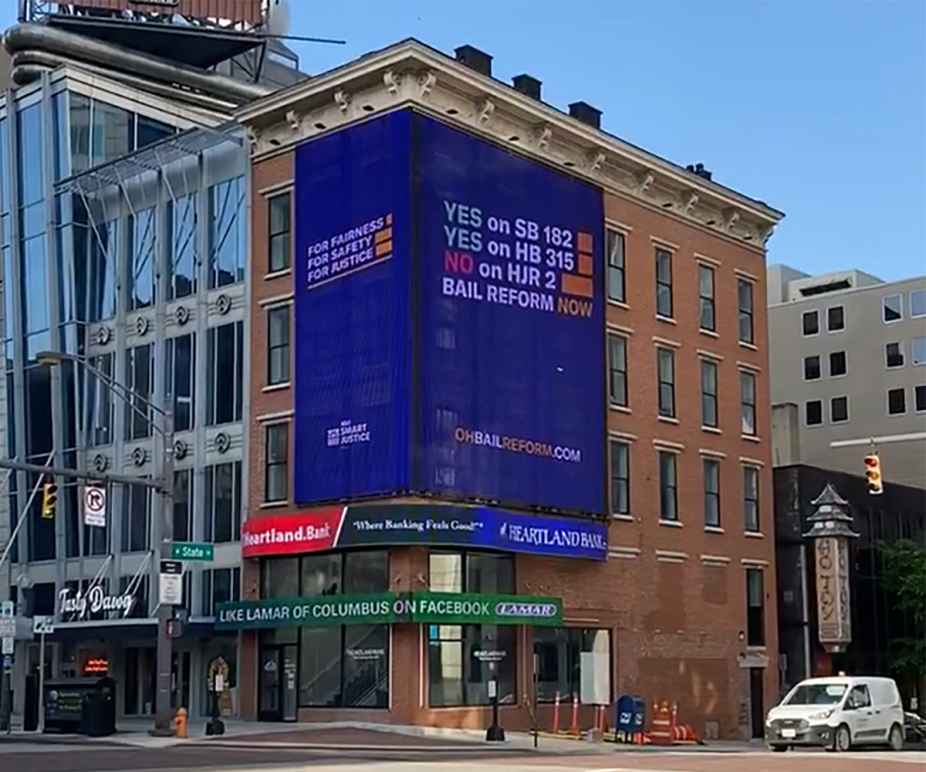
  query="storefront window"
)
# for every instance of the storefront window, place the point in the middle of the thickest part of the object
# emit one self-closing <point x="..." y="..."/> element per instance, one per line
<point x="458" y="668"/>
<point x="559" y="659"/>
<point x="280" y="578"/>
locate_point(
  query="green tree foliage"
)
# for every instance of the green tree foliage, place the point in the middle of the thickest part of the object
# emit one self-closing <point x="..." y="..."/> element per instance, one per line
<point x="904" y="573"/>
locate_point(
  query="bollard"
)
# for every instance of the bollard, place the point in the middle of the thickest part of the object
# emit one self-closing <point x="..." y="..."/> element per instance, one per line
<point x="574" y="728"/>
<point x="181" y="728"/>
<point x="556" y="714"/>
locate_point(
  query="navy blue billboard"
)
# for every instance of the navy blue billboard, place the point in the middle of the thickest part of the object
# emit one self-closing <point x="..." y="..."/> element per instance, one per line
<point x="351" y="312"/>
<point x="449" y="321"/>
<point x="511" y="326"/>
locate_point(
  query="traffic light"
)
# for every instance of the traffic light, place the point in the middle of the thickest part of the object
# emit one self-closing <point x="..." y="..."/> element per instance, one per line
<point x="873" y="474"/>
<point x="49" y="500"/>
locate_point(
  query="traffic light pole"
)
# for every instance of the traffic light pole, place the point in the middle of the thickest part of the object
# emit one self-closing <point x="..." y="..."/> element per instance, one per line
<point x="163" y="720"/>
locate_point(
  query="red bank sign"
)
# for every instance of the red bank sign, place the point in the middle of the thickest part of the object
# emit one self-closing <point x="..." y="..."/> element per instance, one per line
<point x="291" y="534"/>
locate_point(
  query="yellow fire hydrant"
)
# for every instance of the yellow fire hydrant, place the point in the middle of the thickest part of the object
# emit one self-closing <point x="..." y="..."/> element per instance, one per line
<point x="180" y="724"/>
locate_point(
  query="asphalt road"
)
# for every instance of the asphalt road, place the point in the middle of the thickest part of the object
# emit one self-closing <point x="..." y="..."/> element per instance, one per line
<point x="83" y="758"/>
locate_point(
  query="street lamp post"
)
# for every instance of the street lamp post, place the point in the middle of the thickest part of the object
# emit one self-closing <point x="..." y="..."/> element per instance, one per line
<point x="163" y="428"/>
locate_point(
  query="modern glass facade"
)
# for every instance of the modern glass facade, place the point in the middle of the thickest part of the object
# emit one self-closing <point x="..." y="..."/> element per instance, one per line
<point x="123" y="239"/>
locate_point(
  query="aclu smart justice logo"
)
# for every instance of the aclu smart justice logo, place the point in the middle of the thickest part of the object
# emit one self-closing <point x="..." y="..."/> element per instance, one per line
<point x="347" y="433"/>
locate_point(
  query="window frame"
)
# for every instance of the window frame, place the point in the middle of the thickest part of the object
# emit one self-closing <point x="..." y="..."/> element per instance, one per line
<point x="829" y="327"/>
<point x="806" y="422"/>
<point x="672" y="411"/>
<point x="746" y="314"/>
<point x="845" y="361"/>
<point x="916" y="398"/>
<point x="613" y="477"/>
<point x="819" y="375"/>
<point x="668" y="256"/>
<point x="833" y="419"/>
<point x="745" y="406"/>
<point x="884" y="299"/>
<point x="760" y="639"/>
<point x="272" y="465"/>
<point x="913" y="359"/>
<point x="624" y="342"/>
<point x="917" y="292"/>
<point x="707" y="362"/>
<point x="711" y="495"/>
<point x="903" y="392"/>
<point x="286" y="375"/>
<point x="612" y="267"/>
<point x="900" y="353"/>
<point x="668" y="488"/>
<point x="752" y="469"/>
<point x="284" y="234"/>
<point x="815" y="313"/>
<point x="210" y="501"/>
<point x="709" y="300"/>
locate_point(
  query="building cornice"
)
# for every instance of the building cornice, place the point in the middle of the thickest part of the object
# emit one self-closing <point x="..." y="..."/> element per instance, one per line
<point x="410" y="74"/>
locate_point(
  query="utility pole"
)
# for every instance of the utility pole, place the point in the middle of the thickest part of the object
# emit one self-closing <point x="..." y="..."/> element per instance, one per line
<point x="163" y="726"/>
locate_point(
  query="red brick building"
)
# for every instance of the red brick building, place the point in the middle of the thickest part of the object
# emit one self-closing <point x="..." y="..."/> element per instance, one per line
<point x="682" y="608"/>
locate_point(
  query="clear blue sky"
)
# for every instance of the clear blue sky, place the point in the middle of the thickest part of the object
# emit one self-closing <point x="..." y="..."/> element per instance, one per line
<point x="817" y="107"/>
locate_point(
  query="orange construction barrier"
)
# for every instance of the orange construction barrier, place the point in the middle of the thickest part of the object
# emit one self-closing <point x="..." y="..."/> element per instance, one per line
<point x="556" y="714"/>
<point x="574" y="728"/>
<point x="662" y="724"/>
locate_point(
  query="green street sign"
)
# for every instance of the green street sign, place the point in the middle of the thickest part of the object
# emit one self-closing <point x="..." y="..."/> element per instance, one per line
<point x="184" y="550"/>
<point x="390" y="608"/>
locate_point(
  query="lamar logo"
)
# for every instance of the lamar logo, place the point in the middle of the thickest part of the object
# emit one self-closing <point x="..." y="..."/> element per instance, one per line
<point x="535" y="610"/>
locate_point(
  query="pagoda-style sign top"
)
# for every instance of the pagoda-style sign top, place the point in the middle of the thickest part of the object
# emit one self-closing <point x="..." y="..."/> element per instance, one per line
<point x="832" y="517"/>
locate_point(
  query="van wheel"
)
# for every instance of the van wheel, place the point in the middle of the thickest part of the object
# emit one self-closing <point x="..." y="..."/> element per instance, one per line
<point x="895" y="738"/>
<point x="842" y="740"/>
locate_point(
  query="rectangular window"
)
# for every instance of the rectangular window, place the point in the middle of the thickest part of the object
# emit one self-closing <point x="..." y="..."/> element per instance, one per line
<point x="279" y="232"/>
<point x="620" y="478"/>
<point x="664" y="283"/>
<point x="839" y="409"/>
<point x="142" y="270"/>
<point x="227" y="248"/>
<point x="103" y="257"/>
<point x="810" y="322"/>
<point x="813" y="412"/>
<point x="183" y="257"/>
<point x="220" y="585"/>
<point x="837" y="363"/>
<point x="666" y="367"/>
<point x="278" y="345"/>
<point x="617" y="289"/>
<point x="224" y="367"/>
<point x="811" y="368"/>
<point x="918" y="351"/>
<point x="712" y="493"/>
<point x="748" y="402"/>
<point x="894" y="354"/>
<point x="708" y="393"/>
<point x="222" y="484"/>
<point x="706" y="297"/>
<point x="180" y="372"/>
<point x="136" y="518"/>
<point x="918" y="303"/>
<point x="835" y="318"/>
<point x="100" y="404"/>
<point x="139" y="377"/>
<point x="744" y="295"/>
<point x="558" y="652"/>
<point x="755" y="607"/>
<point x="892" y="308"/>
<point x="668" y="487"/>
<point x="896" y="402"/>
<point x="276" y="472"/>
<point x="751" y="499"/>
<point x="617" y="363"/>
<point x="183" y="505"/>
<point x="919" y="394"/>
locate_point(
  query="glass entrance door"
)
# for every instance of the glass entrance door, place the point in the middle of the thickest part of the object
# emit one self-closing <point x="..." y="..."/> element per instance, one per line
<point x="278" y="676"/>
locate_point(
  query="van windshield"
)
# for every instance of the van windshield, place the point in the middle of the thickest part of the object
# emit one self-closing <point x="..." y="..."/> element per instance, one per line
<point x="816" y="694"/>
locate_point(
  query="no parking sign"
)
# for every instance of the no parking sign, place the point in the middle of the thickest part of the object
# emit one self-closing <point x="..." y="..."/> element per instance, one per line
<point x="95" y="506"/>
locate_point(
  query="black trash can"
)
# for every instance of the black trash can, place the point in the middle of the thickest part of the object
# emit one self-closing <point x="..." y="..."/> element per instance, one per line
<point x="98" y="710"/>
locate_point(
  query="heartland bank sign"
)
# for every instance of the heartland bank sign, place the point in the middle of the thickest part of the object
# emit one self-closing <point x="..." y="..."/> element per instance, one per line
<point x="94" y="601"/>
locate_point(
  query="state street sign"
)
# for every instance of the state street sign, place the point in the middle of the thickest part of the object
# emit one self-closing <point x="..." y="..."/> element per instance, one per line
<point x="191" y="551"/>
<point x="390" y="608"/>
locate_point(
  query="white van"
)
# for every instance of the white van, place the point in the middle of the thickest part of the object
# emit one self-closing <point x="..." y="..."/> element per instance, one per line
<point x="837" y="713"/>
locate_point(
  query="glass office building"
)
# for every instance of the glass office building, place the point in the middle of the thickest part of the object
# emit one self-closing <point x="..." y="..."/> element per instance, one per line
<point x="123" y="239"/>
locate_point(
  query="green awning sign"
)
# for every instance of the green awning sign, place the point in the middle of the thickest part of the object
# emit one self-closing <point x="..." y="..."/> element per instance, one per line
<point x="390" y="608"/>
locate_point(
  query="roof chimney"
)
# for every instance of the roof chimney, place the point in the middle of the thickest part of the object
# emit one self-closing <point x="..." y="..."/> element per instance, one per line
<point x="583" y="111"/>
<point x="475" y="59"/>
<point x="699" y="170"/>
<point x="527" y="85"/>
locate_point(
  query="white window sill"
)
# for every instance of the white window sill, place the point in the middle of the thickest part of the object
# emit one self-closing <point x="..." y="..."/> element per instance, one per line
<point x="750" y="346"/>
<point x="619" y="408"/>
<point x="272" y="504"/>
<point x="618" y="304"/>
<point x="709" y="333"/>
<point x="625" y="518"/>
<point x="666" y="319"/>
<point x="671" y="523"/>
<point x="753" y="534"/>
<point x="713" y="529"/>
<point x="278" y="274"/>
<point x="276" y="387"/>
<point x="751" y="437"/>
<point x="667" y="419"/>
<point x="711" y="429"/>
